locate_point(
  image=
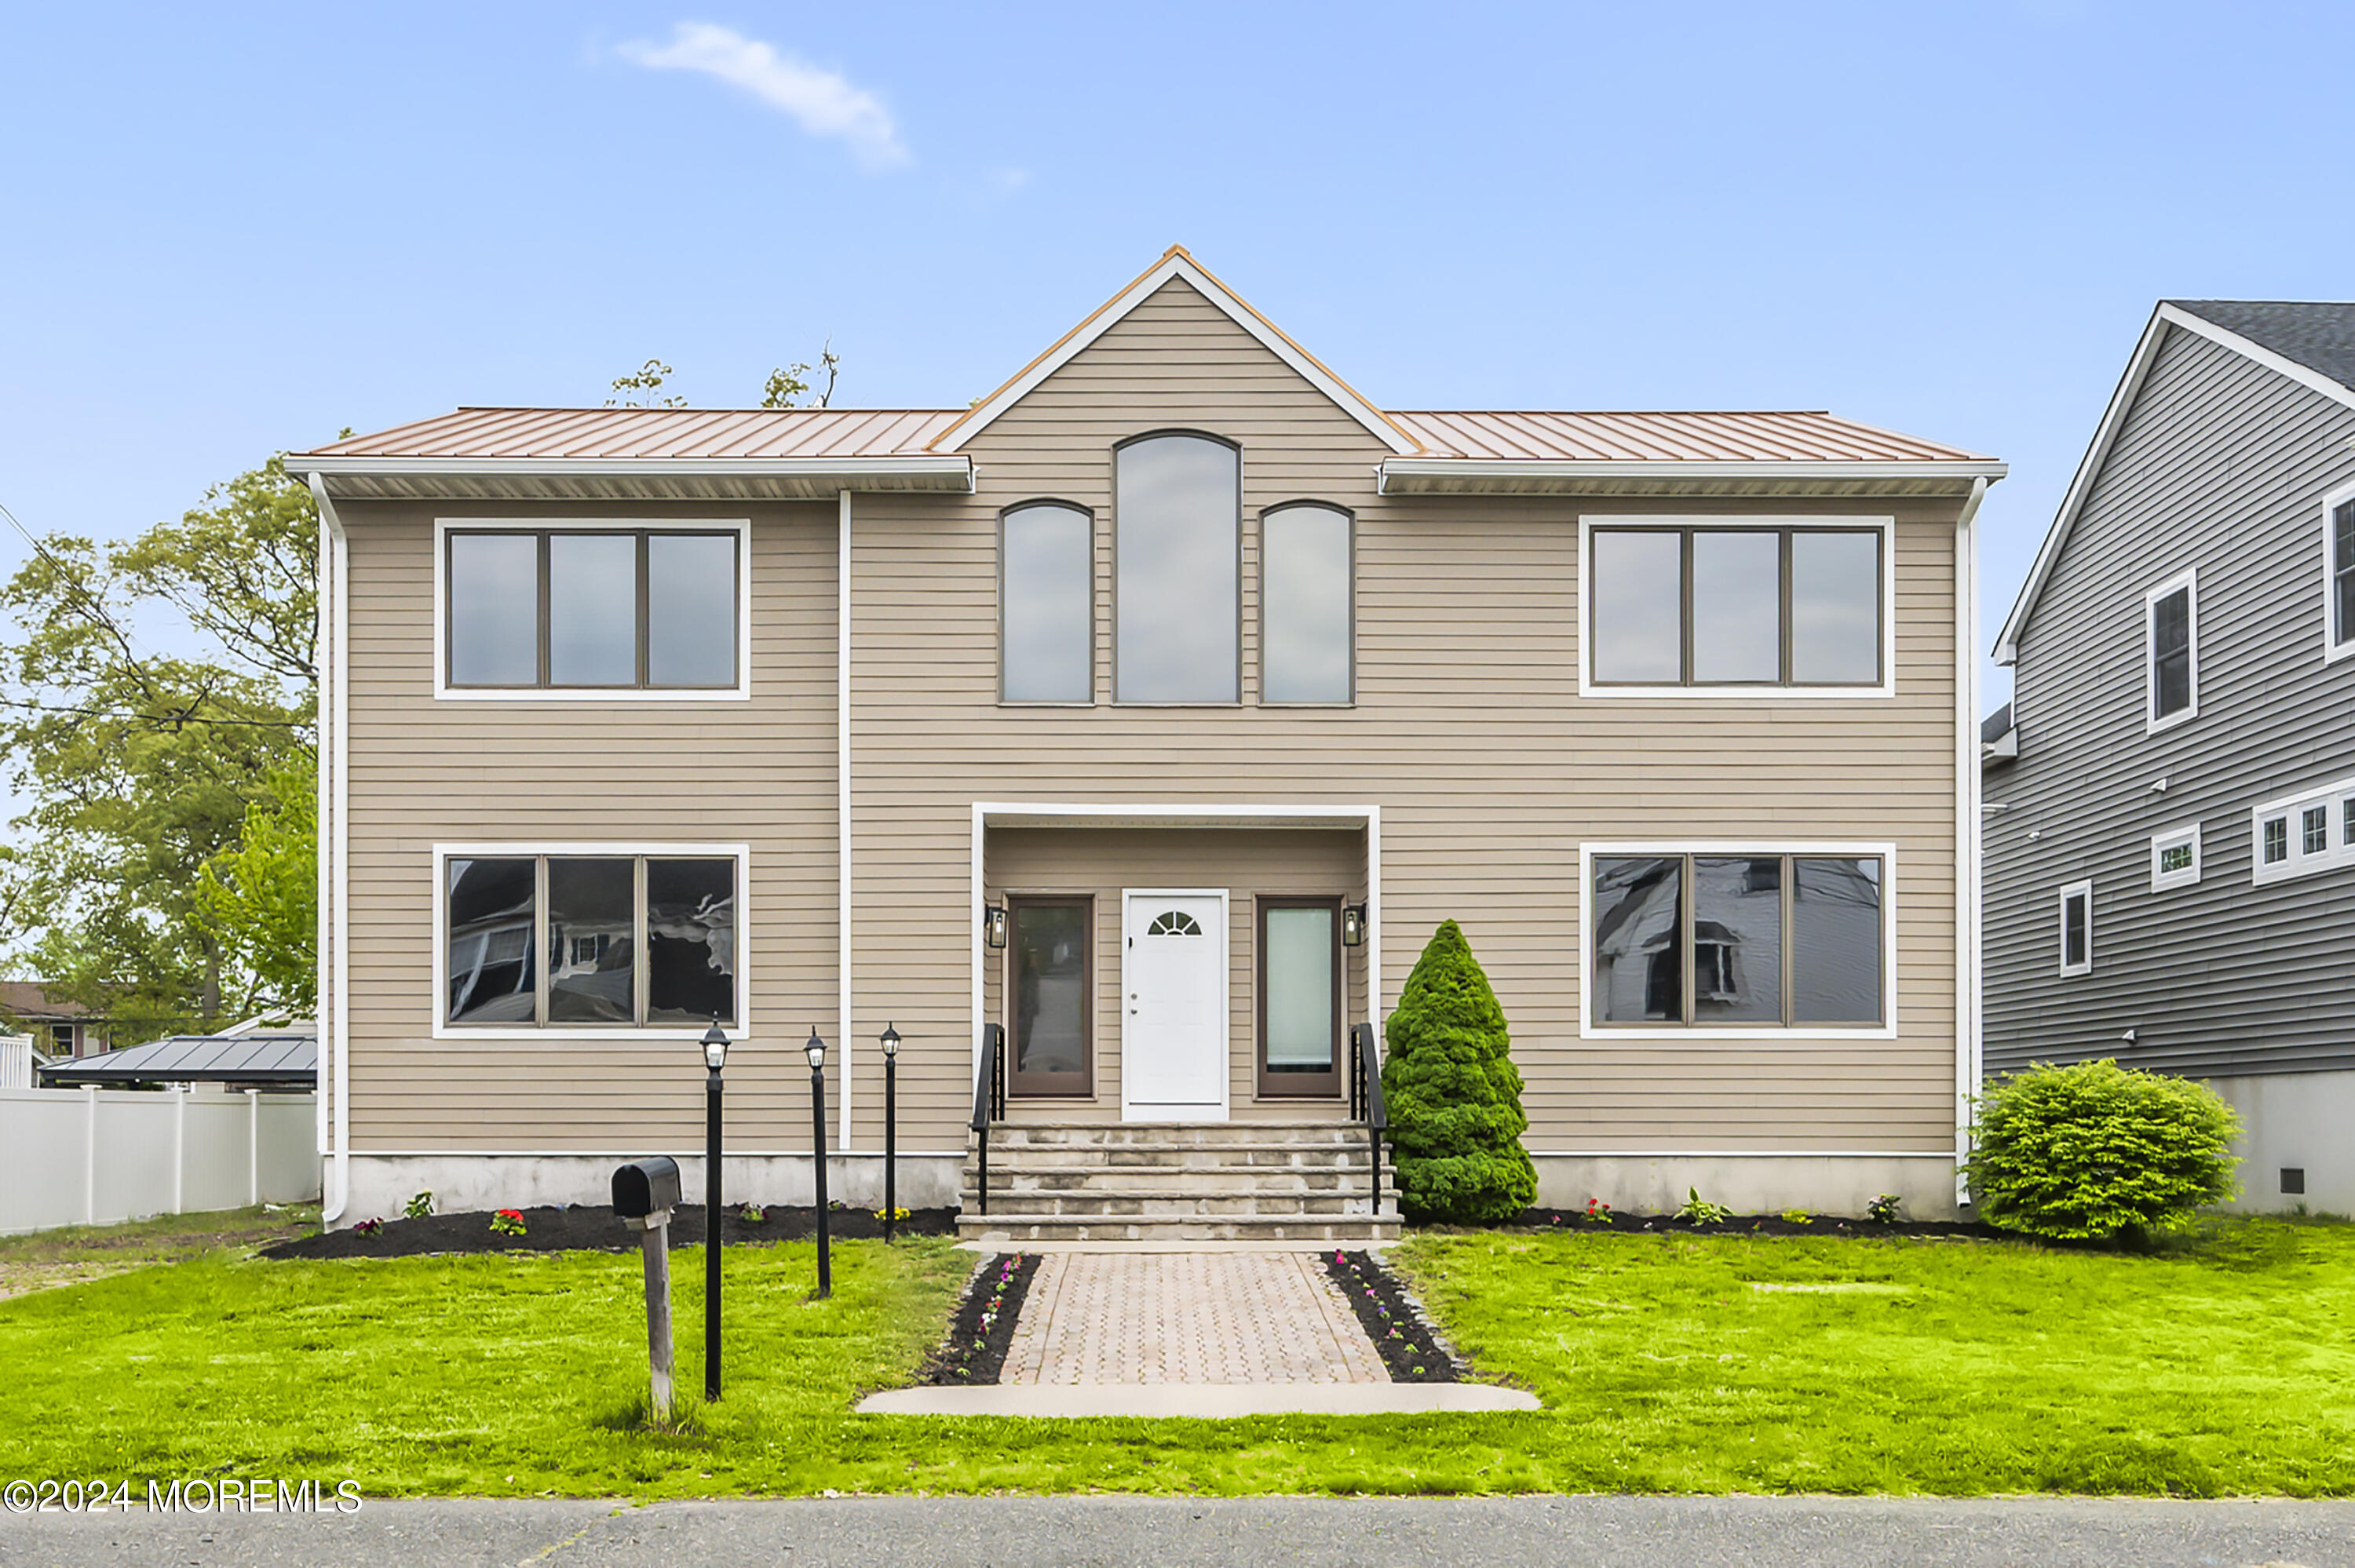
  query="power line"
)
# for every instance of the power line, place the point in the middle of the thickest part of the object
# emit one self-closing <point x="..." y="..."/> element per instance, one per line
<point x="92" y="606"/>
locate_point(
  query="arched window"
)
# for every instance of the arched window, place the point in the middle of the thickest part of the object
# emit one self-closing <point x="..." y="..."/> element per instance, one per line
<point x="1305" y="604"/>
<point x="1046" y="600"/>
<point x="1177" y="502"/>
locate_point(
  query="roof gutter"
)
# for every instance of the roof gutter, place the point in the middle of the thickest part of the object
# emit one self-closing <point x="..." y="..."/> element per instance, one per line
<point x="335" y="785"/>
<point x="1475" y="475"/>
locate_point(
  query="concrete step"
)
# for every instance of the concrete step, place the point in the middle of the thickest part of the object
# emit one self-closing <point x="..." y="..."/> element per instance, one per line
<point x="1354" y="1155"/>
<point x="1174" y="1135"/>
<point x="1195" y="1179"/>
<point x="1012" y="1230"/>
<point x="1165" y="1204"/>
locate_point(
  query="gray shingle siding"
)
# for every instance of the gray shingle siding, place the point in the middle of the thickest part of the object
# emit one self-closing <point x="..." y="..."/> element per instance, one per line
<point x="2220" y="465"/>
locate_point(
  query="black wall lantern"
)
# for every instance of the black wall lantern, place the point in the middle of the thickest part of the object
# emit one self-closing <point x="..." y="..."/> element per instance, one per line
<point x="992" y="927"/>
<point x="1353" y="924"/>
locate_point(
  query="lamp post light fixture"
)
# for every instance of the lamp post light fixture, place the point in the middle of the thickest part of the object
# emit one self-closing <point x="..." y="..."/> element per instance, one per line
<point x="815" y="1049"/>
<point x="992" y="927"/>
<point x="890" y="1129"/>
<point x="715" y="1057"/>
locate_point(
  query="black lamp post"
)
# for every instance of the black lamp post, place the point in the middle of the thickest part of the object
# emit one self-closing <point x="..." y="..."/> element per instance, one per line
<point x="715" y="1057"/>
<point x="816" y="1050"/>
<point x="891" y="1129"/>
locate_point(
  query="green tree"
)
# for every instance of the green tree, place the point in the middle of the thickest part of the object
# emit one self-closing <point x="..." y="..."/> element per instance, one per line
<point x="790" y="386"/>
<point x="140" y="766"/>
<point x="642" y="388"/>
<point x="261" y="897"/>
<point x="1453" y="1094"/>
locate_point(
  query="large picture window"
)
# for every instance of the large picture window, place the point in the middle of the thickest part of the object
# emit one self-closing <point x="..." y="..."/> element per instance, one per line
<point x="1305" y="609"/>
<point x="589" y="941"/>
<point x="1177" y="511"/>
<point x="1731" y="605"/>
<point x="591" y="609"/>
<point x="1047" y="603"/>
<point x="1744" y="940"/>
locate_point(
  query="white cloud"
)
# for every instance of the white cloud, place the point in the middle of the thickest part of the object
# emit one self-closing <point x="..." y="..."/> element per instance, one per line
<point x="823" y="102"/>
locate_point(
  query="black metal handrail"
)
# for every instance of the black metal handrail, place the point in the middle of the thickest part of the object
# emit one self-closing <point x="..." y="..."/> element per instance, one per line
<point x="1366" y="1102"/>
<point x="988" y="1100"/>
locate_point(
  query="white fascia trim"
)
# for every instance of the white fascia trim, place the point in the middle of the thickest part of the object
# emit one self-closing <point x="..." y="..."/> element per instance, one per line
<point x="2081" y="888"/>
<point x="1673" y="1035"/>
<point x="952" y="467"/>
<point x="842" y="812"/>
<point x="2332" y="649"/>
<point x="1970" y="878"/>
<point x="336" y="840"/>
<point x="1178" y="265"/>
<point x="1744" y="697"/>
<point x="525" y="848"/>
<point x="1765" y="471"/>
<point x="2189" y="577"/>
<point x="2187" y="833"/>
<point x="445" y="692"/>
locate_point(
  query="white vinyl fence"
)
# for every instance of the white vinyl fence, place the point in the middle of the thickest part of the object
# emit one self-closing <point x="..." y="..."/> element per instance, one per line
<point x="16" y="1061"/>
<point x="84" y="1157"/>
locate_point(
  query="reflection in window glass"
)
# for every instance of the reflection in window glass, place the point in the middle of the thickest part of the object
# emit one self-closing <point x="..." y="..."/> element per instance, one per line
<point x="591" y="959"/>
<point x="491" y="914"/>
<point x="1299" y="979"/>
<point x="1836" y="940"/>
<point x="1049" y="943"/>
<point x="494" y="595"/>
<point x="1738" y="939"/>
<point x="1638" y="940"/>
<point x="691" y="610"/>
<point x="1636" y="614"/>
<point x="1176" y="501"/>
<point x="1305" y="605"/>
<point x="1737" y="606"/>
<point x="1835" y="609"/>
<point x="593" y="609"/>
<point x="690" y="941"/>
<point x="1047" y="584"/>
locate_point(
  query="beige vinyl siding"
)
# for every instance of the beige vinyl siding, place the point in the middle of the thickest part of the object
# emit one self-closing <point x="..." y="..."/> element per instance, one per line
<point x="1468" y="732"/>
<point x="723" y="771"/>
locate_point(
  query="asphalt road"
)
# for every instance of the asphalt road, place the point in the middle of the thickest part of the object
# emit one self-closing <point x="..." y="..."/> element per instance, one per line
<point x="1266" y="1532"/>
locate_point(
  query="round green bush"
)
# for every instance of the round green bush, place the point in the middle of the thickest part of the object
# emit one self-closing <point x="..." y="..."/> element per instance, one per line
<point x="2094" y="1150"/>
<point x="1453" y="1094"/>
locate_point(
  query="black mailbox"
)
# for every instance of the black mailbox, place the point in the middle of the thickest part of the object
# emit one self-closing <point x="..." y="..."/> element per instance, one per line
<point x="645" y="1187"/>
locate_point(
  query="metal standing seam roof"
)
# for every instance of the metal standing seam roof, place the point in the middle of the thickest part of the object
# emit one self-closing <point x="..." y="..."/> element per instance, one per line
<point x="1495" y="436"/>
<point x="285" y="1057"/>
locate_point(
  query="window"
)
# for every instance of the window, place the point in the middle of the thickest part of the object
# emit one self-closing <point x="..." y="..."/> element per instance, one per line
<point x="1674" y="605"/>
<point x="2171" y="642"/>
<point x="1046" y="595"/>
<point x="2175" y="858"/>
<point x="1305" y="604"/>
<point x="2077" y="928"/>
<point x="1300" y="1005"/>
<point x="589" y="941"/>
<point x="605" y="609"/>
<point x="2314" y="830"/>
<point x="1177" y="529"/>
<point x="1755" y="940"/>
<point x="2275" y="848"/>
<point x="2295" y="836"/>
<point x="2338" y="575"/>
<point x="1050" y="996"/>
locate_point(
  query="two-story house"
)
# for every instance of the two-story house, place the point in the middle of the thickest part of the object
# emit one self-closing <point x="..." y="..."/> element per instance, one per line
<point x="1141" y="721"/>
<point x="2170" y="821"/>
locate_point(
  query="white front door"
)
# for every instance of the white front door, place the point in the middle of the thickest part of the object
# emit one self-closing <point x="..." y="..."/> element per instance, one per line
<point x="1173" y="984"/>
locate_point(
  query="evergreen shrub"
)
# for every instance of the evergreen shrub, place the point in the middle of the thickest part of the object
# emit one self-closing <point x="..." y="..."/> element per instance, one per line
<point x="1453" y="1094"/>
<point x="2094" y="1152"/>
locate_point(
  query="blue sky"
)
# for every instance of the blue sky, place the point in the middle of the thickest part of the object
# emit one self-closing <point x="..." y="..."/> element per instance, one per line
<point x="232" y="231"/>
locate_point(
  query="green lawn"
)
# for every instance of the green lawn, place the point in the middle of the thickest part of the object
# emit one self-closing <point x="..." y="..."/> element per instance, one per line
<point x="1933" y="1367"/>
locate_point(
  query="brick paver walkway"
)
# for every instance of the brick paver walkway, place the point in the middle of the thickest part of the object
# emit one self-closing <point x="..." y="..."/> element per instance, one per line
<point x="1220" y="1318"/>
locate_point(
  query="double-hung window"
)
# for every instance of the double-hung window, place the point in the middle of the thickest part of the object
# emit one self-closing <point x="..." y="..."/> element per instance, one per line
<point x="589" y="939"/>
<point x="2171" y="650"/>
<point x="1758" y="940"/>
<point x="2077" y="929"/>
<point x="2339" y="574"/>
<point x="1764" y="604"/>
<point x="591" y="609"/>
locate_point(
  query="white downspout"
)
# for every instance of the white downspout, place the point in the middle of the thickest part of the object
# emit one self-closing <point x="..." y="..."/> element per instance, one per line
<point x="842" y="812"/>
<point x="1967" y="829"/>
<point x="334" y="849"/>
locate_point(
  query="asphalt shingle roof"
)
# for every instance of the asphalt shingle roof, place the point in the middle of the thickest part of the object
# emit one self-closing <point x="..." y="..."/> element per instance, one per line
<point x="2318" y="335"/>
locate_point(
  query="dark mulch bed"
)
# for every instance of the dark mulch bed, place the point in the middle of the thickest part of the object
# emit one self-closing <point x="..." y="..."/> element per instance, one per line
<point x="982" y="1329"/>
<point x="587" y="1227"/>
<point x="1624" y="1224"/>
<point x="1403" y="1337"/>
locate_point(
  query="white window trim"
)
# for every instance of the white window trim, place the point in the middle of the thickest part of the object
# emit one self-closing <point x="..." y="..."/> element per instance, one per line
<point x="2332" y="649"/>
<point x="610" y="1034"/>
<point x="1735" y="521"/>
<point x="2336" y="853"/>
<point x="445" y="692"/>
<point x="1671" y="1035"/>
<point x="2061" y="928"/>
<point x="2188" y="578"/>
<point x="2161" y="881"/>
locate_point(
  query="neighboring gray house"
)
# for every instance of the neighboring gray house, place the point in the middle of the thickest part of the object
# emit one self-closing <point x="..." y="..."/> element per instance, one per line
<point x="2170" y="831"/>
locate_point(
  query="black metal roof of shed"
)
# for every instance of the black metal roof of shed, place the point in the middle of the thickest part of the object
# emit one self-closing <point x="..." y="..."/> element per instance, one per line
<point x="288" y="1059"/>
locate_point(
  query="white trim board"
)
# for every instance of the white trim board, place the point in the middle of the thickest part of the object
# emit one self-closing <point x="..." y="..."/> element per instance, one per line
<point x="613" y="1035"/>
<point x="1672" y="1035"/>
<point x="1175" y="264"/>
<point x="445" y="692"/>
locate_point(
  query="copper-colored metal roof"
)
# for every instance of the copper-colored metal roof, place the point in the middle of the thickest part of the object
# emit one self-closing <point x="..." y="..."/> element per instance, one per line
<point x="656" y="434"/>
<point x="1765" y="438"/>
